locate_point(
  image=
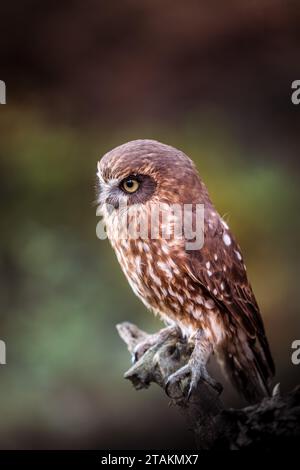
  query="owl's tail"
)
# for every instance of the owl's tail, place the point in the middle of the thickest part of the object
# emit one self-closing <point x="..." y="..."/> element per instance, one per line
<point x="250" y="367"/>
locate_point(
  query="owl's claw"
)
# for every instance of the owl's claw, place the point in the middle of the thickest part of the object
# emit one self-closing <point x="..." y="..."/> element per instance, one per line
<point x="202" y="374"/>
<point x="196" y="375"/>
<point x="176" y="378"/>
<point x="195" y="368"/>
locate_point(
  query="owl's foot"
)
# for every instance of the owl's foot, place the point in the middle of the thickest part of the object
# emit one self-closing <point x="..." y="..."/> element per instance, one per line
<point x="195" y="368"/>
<point x="196" y="373"/>
<point x="152" y="340"/>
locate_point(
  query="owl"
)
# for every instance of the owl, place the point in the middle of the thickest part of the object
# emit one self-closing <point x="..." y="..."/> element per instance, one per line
<point x="204" y="291"/>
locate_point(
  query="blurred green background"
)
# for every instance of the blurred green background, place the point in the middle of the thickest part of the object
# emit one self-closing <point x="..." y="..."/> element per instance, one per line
<point x="81" y="79"/>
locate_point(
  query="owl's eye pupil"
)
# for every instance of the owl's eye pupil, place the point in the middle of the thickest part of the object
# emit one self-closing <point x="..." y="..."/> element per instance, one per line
<point x="130" y="185"/>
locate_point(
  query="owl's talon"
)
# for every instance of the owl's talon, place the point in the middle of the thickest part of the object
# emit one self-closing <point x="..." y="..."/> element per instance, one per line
<point x="176" y="377"/>
<point x="202" y="374"/>
<point x="197" y="374"/>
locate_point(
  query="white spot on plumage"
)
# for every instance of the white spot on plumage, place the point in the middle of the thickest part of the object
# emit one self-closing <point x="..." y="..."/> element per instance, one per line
<point x="165" y="268"/>
<point x="156" y="292"/>
<point x="190" y="309"/>
<point x="171" y="292"/>
<point x="226" y="239"/>
<point x="174" y="305"/>
<point x="208" y="265"/>
<point x="165" y="248"/>
<point x="238" y="255"/>
<point x="215" y="292"/>
<point x="155" y="278"/>
<point x="216" y="257"/>
<point x="197" y="314"/>
<point x="138" y="264"/>
<point x="164" y="291"/>
<point x="180" y="298"/>
<point x="209" y="304"/>
<point x="209" y="272"/>
<point x="146" y="247"/>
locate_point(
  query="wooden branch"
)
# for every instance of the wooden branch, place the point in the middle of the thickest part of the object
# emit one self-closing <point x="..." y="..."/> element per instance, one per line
<point x="275" y="421"/>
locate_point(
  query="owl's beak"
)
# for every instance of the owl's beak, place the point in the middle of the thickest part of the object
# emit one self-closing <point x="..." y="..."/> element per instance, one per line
<point x="106" y="194"/>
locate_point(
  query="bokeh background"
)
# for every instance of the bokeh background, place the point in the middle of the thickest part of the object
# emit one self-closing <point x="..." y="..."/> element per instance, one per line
<point x="212" y="78"/>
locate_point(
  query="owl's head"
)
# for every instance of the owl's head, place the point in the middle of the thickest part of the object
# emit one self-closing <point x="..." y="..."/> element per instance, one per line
<point x="146" y="170"/>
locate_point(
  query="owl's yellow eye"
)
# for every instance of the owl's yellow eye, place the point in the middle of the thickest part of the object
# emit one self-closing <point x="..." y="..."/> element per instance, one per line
<point x="130" y="185"/>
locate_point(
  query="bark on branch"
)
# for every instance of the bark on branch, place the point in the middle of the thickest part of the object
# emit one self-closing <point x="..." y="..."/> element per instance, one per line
<point x="273" y="422"/>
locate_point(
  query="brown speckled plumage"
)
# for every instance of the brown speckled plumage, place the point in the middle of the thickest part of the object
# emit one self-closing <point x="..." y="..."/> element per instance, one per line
<point x="204" y="289"/>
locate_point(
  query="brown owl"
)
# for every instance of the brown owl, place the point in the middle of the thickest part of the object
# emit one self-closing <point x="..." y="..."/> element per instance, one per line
<point x="204" y="291"/>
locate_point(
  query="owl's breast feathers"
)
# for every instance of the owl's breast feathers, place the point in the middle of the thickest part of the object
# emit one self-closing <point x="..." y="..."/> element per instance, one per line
<point x="160" y="273"/>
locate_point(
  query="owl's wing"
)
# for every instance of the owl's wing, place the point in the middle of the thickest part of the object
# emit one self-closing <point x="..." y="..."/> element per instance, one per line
<point x="220" y="270"/>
